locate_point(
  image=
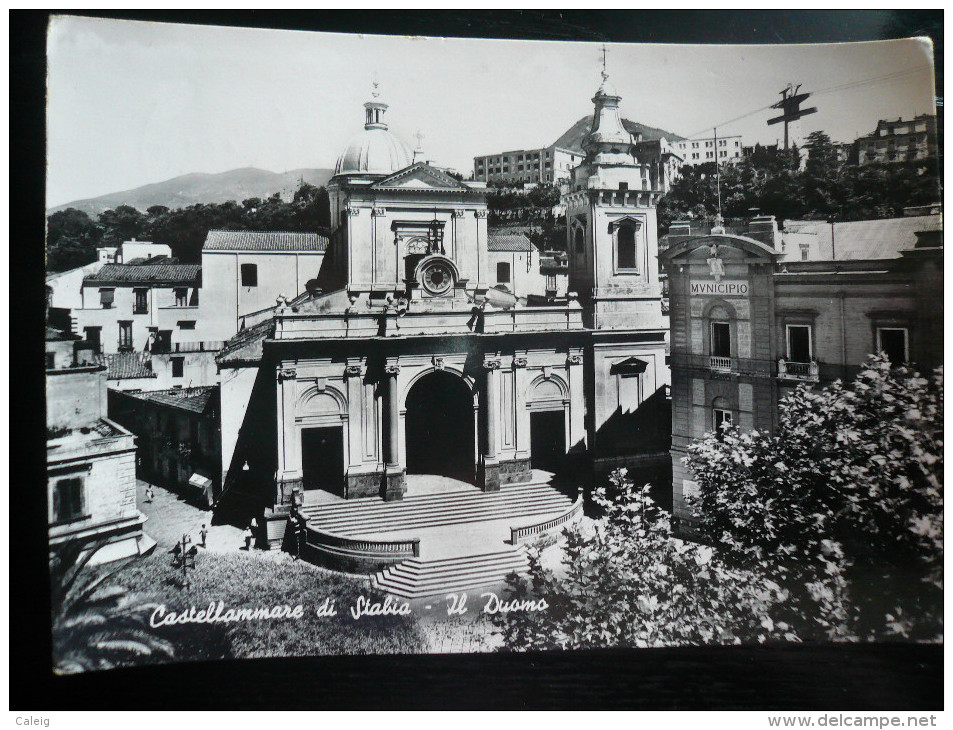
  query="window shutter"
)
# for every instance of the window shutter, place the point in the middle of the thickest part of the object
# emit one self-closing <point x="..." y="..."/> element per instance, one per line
<point x="56" y="502"/>
<point x="106" y="296"/>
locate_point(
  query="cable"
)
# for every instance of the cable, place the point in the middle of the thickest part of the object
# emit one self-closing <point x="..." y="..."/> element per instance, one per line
<point x="884" y="79"/>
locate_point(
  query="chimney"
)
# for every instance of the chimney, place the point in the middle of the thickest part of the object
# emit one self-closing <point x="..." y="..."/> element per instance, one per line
<point x="764" y="228"/>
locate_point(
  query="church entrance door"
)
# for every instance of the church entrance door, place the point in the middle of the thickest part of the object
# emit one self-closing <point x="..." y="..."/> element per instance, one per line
<point x="439" y="427"/>
<point x="547" y="439"/>
<point x="322" y="458"/>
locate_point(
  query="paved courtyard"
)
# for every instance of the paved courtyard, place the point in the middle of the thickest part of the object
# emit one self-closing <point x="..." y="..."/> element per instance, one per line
<point x="171" y="516"/>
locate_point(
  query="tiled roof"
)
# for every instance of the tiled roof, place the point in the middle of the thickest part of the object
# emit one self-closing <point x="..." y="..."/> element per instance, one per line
<point x="264" y="241"/>
<point x="148" y="260"/>
<point x="248" y="344"/>
<point x="127" y="365"/>
<point x="509" y="242"/>
<point x="858" y="240"/>
<point x="161" y="273"/>
<point x="194" y="400"/>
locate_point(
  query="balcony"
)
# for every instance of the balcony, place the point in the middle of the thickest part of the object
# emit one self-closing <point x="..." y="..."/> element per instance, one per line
<point x="802" y="371"/>
<point x="722" y="364"/>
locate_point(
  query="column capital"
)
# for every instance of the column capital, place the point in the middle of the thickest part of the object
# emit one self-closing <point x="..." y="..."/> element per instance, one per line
<point x="491" y="365"/>
<point x="352" y="371"/>
<point x="459" y="212"/>
<point x="287" y="374"/>
<point x="378" y="212"/>
<point x="351" y="211"/>
<point x="519" y="362"/>
<point x="481" y="212"/>
<point x="392" y="370"/>
<point x="574" y="360"/>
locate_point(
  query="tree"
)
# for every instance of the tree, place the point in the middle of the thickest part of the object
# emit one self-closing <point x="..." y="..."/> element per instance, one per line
<point x="72" y="238"/>
<point x="96" y="625"/>
<point x="843" y="502"/>
<point x="629" y="583"/>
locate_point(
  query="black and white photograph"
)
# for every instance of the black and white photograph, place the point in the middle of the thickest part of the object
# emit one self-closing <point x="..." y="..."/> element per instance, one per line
<point x="388" y="345"/>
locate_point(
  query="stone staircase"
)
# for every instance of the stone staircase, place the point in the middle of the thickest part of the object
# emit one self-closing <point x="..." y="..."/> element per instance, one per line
<point x="420" y="578"/>
<point x="366" y="516"/>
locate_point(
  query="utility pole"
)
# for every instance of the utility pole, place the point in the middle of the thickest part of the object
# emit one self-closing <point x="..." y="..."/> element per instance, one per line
<point x="184" y="557"/>
<point x="790" y="104"/>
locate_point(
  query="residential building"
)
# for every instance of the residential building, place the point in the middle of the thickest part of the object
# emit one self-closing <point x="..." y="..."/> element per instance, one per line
<point x="697" y="151"/>
<point x="547" y="165"/>
<point x="177" y="431"/>
<point x="245" y="272"/>
<point x="514" y="264"/>
<point x="755" y="315"/>
<point x="91" y="460"/>
<point x="897" y="140"/>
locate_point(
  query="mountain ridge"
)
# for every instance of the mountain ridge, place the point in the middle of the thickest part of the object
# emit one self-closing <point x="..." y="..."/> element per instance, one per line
<point x="203" y="187"/>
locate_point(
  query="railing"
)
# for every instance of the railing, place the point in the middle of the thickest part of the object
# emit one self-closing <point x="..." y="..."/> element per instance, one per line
<point x="721" y="363"/>
<point x="798" y="370"/>
<point x="364" y="549"/>
<point x="521" y="533"/>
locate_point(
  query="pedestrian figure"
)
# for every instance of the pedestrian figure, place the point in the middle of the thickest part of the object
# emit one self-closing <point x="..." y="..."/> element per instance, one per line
<point x="149" y="493"/>
<point x="203" y="533"/>
<point x="248" y="537"/>
<point x="297" y="523"/>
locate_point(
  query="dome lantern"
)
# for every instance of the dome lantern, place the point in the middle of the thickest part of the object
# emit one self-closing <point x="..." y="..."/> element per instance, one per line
<point x="375" y="150"/>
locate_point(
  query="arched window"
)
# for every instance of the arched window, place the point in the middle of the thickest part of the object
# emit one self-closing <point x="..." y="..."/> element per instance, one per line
<point x="625" y="243"/>
<point x="580" y="242"/>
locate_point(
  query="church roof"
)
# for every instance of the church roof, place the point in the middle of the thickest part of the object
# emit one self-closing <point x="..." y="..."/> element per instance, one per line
<point x="247" y="345"/>
<point x="572" y="138"/>
<point x="422" y="176"/>
<point x="506" y="242"/>
<point x="265" y="241"/>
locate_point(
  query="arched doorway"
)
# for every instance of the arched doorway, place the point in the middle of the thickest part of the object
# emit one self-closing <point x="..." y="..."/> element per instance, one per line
<point x="439" y="427"/>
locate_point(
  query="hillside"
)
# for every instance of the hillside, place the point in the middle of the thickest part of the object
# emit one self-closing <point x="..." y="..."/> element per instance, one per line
<point x="571" y="139"/>
<point x="200" y="187"/>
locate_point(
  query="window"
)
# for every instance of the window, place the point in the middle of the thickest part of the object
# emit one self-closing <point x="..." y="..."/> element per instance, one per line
<point x="249" y="275"/>
<point x="178" y="367"/>
<point x="580" y="242"/>
<point x="625" y="244"/>
<point x="550" y="283"/>
<point x="50" y="360"/>
<point x="68" y="500"/>
<point x="106" y="297"/>
<point x="141" y="305"/>
<point x="799" y="343"/>
<point x="805" y="251"/>
<point x="893" y="342"/>
<point x="623" y="187"/>
<point x="125" y="335"/>
<point x="181" y="297"/>
<point x="720" y="339"/>
<point x="720" y="418"/>
<point x="187" y="324"/>
<point x="503" y="273"/>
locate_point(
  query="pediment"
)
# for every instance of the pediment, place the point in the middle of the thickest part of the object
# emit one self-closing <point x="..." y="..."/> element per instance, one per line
<point x="420" y="176"/>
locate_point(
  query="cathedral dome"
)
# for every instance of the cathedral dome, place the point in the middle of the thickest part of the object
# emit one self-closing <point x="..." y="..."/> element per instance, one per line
<point x="375" y="151"/>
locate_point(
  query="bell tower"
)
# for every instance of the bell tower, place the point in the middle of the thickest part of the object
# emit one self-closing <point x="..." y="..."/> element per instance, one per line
<point x="610" y="210"/>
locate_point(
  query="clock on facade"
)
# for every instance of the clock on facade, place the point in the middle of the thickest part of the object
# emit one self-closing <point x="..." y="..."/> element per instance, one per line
<point x="436" y="277"/>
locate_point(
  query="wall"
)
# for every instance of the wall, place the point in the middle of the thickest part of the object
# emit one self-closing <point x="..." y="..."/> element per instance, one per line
<point x="522" y="282"/>
<point x="67" y="287"/>
<point x="75" y="397"/>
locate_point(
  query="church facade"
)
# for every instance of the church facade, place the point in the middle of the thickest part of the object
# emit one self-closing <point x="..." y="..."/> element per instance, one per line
<point x="402" y="357"/>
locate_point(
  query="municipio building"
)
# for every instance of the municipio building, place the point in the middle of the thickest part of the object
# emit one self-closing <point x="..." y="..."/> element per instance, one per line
<point x="756" y="314"/>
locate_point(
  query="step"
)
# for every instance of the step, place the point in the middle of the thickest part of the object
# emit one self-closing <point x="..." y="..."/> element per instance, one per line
<point x="370" y="504"/>
<point x="418" y="578"/>
<point x="372" y="527"/>
<point x="517" y="559"/>
<point x="436" y="508"/>
<point x="436" y="512"/>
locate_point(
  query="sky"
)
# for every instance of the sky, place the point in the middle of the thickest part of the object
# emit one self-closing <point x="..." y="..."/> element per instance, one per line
<point x="132" y="103"/>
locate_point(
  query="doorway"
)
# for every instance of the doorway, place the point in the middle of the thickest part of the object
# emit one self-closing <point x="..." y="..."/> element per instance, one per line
<point x="322" y="459"/>
<point x="547" y="431"/>
<point x="439" y="427"/>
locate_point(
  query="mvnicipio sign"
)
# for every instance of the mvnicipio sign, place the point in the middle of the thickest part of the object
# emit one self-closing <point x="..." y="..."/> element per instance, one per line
<point x="721" y="288"/>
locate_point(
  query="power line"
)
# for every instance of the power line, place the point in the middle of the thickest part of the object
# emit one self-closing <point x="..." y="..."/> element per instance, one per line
<point x="884" y="79"/>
